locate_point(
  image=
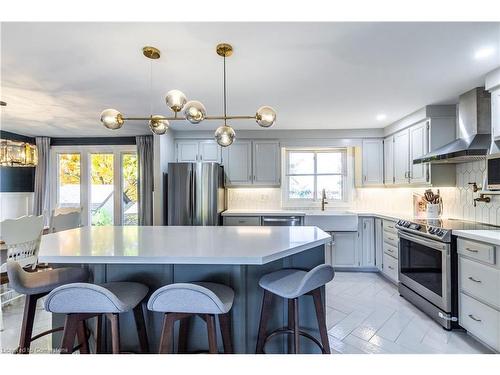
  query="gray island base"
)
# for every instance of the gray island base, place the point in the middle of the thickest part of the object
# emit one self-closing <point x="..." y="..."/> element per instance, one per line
<point x="305" y="250"/>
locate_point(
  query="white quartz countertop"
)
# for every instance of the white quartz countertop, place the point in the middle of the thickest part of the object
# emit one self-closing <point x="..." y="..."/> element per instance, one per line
<point x="178" y="244"/>
<point x="489" y="236"/>
<point x="327" y="212"/>
<point x="263" y="213"/>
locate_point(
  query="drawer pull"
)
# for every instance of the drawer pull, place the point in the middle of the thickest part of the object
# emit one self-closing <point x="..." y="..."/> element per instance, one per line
<point x="472" y="250"/>
<point x="473" y="279"/>
<point x="390" y="250"/>
<point x="390" y="267"/>
<point x="390" y="238"/>
<point x="474" y="318"/>
<point x="241" y="221"/>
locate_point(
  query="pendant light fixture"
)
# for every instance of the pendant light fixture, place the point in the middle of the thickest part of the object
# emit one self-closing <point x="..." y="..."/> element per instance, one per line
<point x="193" y="110"/>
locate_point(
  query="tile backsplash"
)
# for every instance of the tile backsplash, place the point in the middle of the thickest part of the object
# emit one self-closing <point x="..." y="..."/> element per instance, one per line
<point x="457" y="201"/>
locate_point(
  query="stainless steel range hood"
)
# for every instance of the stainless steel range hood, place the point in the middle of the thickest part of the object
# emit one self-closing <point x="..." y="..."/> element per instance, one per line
<point x="474" y="131"/>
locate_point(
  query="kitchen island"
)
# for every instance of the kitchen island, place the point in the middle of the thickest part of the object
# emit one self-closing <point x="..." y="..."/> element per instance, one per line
<point x="157" y="256"/>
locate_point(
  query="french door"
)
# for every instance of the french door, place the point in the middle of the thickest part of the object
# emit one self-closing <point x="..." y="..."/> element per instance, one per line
<point x="100" y="179"/>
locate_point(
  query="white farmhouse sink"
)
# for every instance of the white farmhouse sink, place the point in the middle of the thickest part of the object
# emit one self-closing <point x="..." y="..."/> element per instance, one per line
<point x="332" y="221"/>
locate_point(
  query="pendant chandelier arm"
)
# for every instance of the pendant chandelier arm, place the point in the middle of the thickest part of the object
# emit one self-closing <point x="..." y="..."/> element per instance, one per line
<point x="176" y="118"/>
<point x="225" y="97"/>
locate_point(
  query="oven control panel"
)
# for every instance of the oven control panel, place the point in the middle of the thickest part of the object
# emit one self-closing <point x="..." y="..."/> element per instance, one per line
<point x="430" y="231"/>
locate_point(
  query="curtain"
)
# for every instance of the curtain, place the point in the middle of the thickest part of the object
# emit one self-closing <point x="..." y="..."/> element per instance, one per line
<point x="41" y="176"/>
<point x="145" y="186"/>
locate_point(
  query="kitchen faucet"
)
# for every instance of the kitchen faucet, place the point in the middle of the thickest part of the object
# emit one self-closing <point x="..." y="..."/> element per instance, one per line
<point x="323" y="198"/>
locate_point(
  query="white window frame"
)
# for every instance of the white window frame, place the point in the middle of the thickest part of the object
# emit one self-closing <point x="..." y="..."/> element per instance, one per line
<point x="85" y="152"/>
<point x="348" y="180"/>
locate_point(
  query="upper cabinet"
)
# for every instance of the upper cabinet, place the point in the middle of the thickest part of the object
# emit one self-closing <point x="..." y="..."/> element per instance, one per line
<point x="389" y="160"/>
<point x="373" y="162"/>
<point x="254" y="163"/>
<point x="194" y="150"/>
<point x="419" y="146"/>
<point x="422" y="132"/>
<point x="401" y="157"/>
<point x="237" y="160"/>
<point x="266" y="163"/>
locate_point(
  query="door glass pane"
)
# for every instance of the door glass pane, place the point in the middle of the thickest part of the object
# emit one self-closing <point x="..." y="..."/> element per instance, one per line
<point x="301" y="162"/>
<point x="329" y="162"/>
<point x="101" y="189"/>
<point x="301" y="187"/>
<point x="332" y="186"/>
<point x="129" y="189"/>
<point x="69" y="180"/>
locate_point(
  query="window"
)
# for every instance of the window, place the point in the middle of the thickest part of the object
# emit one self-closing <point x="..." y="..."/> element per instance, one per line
<point x="100" y="179"/>
<point x="308" y="172"/>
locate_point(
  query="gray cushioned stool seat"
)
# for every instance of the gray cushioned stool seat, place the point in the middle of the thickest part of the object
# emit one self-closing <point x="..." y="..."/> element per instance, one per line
<point x="114" y="297"/>
<point x="292" y="283"/>
<point x="44" y="281"/>
<point x="195" y="298"/>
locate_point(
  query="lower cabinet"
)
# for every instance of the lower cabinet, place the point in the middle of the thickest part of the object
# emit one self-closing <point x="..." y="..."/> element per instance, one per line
<point x="241" y="220"/>
<point x="345" y="249"/>
<point x="390" y="253"/>
<point x="379" y="243"/>
<point x="479" y="285"/>
<point x="367" y="231"/>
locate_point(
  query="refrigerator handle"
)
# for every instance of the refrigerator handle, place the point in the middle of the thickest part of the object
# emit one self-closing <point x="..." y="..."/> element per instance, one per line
<point x="191" y="196"/>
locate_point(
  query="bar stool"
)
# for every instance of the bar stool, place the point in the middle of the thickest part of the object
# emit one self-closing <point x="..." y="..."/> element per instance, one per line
<point x="82" y="301"/>
<point x="181" y="301"/>
<point x="36" y="285"/>
<point x="291" y="284"/>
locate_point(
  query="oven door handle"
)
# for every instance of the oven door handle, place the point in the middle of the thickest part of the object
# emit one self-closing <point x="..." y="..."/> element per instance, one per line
<point x="424" y="241"/>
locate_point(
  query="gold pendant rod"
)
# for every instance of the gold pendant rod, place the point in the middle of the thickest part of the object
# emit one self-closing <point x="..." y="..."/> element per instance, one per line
<point x="180" y="118"/>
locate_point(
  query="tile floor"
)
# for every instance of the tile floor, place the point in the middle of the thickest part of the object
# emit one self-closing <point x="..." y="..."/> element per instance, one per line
<point x="365" y="314"/>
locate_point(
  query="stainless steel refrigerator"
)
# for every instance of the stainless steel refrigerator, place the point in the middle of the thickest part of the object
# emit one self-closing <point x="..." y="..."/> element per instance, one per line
<point x="195" y="193"/>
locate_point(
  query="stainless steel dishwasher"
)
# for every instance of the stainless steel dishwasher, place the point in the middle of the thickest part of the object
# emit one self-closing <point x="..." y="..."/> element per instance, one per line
<point x="282" y="221"/>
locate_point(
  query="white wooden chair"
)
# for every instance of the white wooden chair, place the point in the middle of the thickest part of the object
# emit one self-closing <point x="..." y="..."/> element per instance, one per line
<point x="22" y="239"/>
<point x="65" y="218"/>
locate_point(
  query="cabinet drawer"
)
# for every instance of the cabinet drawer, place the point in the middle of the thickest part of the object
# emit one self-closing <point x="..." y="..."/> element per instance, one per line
<point x="390" y="268"/>
<point x="480" y="281"/>
<point x="480" y="320"/>
<point x="391" y="238"/>
<point x="241" y="220"/>
<point x="389" y="226"/>
<point x="476" y="250"/>
<point x="391" y="250"/>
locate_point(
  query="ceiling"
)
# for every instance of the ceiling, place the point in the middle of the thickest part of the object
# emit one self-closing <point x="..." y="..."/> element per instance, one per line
<point x="58" y="77"/>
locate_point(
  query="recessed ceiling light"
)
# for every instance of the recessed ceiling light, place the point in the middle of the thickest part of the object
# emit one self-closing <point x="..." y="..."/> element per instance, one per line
<point x="381" y="117"/>
<point x="483" y="53"/>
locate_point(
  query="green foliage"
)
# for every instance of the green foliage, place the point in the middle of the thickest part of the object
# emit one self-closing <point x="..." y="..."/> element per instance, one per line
<point x="102" y="217"/>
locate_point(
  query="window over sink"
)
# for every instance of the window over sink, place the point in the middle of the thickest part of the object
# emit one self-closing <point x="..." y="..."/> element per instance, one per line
<point x="308" y="171"/>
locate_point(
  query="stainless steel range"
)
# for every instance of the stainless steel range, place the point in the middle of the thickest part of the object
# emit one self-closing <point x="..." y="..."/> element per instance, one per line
<point x="428" y="266"/>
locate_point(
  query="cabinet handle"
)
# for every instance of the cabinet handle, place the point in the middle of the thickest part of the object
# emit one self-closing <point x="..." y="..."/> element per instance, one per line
<point x="201" y="157"/>
<point x="473" y="279"/>
<point x="390" y="238"/>
<point x="472" y="250"/>
<point x="474" y="318"/>
<point x="364" y="178"/>
<point x="390" y="267"/>
<point x="390" y="250"/>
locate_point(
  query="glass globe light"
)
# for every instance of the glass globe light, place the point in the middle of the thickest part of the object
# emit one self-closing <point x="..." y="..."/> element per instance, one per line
<point x="225" y="135"/>
<point x="112" y="119"/>
<point x="266" y="116"/>
<point x="175" y="100"/>
<point x="194" y="111"/>
<point x="158" y="124"/>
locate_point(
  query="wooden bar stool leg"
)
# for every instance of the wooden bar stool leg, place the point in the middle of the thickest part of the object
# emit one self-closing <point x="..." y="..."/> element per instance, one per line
<point x="98" y="334"/>
<point x="141" y="328"/>
<point x="225" y="330"/>
<point x="264" y="317"/>
<point x="320" y="315"/>
<point x="296" y="328"/>
<point x="83" y="339"/>
<point x="212" y="334"/>
<point x="115" y="332"/>
<point x="183" y="334"/>
<point x="167" y="334"/>
<point x="69" y="333"/>
<point x="27" y="325"/>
